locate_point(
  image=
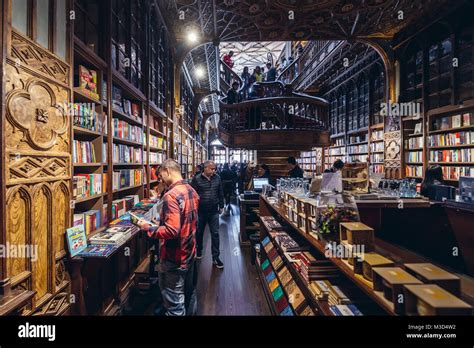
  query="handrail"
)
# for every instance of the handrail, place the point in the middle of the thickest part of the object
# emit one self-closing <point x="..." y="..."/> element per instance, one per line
<point x="297" y="111"/>
<point x="228" y="74"/>
<point x="289" y="74"/>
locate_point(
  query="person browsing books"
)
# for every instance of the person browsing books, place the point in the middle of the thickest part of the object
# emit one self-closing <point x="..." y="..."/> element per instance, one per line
<point x="211" y="203"/>
<point x="177" y="233"/>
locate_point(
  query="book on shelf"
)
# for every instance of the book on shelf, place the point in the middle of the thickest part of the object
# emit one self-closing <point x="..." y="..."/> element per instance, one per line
<point x="87" y="185"/>
<point x="378" y="146"/>
<point x="83" y="152"/>
<point x="124" y="130"/>
<point x="117" y="98"/>
<point x="127" y="154"/>
<point x="357" y="138"/>
<point x="91" y="220"/>
<point x="377" y="169"/>
<point x="296" y="297"/>
<point x="345" y="310"/>
<point x="377" y="135"/>
<point x="85" y="116"/>
<point x="414" y="171"/>
<point x="87" y="81"/>
<point x="414" y="143"/>
<point x="104" y="90"/>
<point x="454" y="173"/>
<point x="418" y="128"/>
<point x="414" y="157"/>
<point x="127" y="178"/>
<point x="452" y="156"/>
<point x="451" y="139"/>
<point x="453" y="121"/>
<point x="356" y="149"/>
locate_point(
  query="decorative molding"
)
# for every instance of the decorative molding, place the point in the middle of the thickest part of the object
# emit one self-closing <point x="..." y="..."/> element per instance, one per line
<point x="27" y="52"/>
<point x="27" y="169"/>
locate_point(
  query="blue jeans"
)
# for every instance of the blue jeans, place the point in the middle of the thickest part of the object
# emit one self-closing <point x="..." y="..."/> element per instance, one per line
<point x="177" y="288"/>
<point x="211" y="218"/>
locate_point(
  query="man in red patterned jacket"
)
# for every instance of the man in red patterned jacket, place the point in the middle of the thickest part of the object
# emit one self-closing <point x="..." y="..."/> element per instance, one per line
<point x="177" y="234"/>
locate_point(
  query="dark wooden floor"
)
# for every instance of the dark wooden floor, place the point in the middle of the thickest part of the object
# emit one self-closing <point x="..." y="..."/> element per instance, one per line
<point x="235" y="290"/>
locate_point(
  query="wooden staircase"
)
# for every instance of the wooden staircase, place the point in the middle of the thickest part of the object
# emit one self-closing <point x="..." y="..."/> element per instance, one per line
<point x="276" y="160"/>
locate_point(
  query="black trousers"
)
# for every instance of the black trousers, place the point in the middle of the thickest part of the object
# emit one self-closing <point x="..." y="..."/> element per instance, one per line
<point x="210" y="218"/>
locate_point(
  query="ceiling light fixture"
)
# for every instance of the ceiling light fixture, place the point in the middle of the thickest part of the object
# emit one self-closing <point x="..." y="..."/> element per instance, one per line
<point x="192" y="37"/>
<point x="200" y="72"/>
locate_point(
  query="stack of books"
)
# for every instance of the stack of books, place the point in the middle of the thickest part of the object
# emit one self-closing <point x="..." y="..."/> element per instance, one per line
<point x="313" y="269"/>
<point x="115" y="236"/>
<point x="345" y="310"/>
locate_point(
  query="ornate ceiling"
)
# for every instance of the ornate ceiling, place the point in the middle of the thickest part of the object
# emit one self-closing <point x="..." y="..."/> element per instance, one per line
<point x="292" y="20"/>
<point x="252" y="54"/>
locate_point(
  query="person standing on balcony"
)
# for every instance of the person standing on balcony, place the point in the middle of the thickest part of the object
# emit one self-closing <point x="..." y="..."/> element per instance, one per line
<point x="295" y="171"/>
<point x="271" y="73"/>
<point x="233" y="95"/>
<point x="258" y="75"/>
<point x="208" y="185"/>
<point x="230" y="63"/>
<point x="246" y="82"/>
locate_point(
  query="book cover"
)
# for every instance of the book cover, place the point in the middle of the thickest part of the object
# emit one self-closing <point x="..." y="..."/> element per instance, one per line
<point x="265" y="264"/>
<point x="277" y="293"/>
<point x="287" y="312"/>
<point x="97" y="251"/>
<point x="76" y="239"/>
<point x="270" y="277"/>
<point x="88" y="81"/>
<point x="281" y="304"/>
<point x="273" y="284"/>
<point x="456" y="121"/>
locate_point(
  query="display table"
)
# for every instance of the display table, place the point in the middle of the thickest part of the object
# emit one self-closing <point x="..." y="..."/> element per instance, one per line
<point x="101" y="284"/>
<point x="383" y="247"/>
<point x="248" y="218"/>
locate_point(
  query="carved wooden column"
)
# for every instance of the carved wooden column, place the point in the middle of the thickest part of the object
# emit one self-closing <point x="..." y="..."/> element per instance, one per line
<point x="37" y="172"/>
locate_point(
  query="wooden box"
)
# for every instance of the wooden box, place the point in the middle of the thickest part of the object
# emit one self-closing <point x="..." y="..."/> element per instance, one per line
<point x="372" y="260"/>
<point x="431" y="299"/>
<point x="391" y="280"/>
<point x="431" y="274"/>
<point x="357" y="233"/>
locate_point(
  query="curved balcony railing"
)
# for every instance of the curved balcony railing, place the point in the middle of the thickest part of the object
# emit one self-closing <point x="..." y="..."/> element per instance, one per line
<point x="283" y="112"/>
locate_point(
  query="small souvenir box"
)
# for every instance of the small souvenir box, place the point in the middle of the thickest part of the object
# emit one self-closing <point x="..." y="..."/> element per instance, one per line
<point x="431" y="274"/>
<point x="372" y="260"/>
<point x="357" y="233"/>
<point x="430" y="299"/>
<point x="391" y="280"/>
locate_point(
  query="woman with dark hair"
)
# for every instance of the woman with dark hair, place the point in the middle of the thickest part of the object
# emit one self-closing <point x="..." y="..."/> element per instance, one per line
<point x="264" y="171"/>
<point x="433" y="176"/>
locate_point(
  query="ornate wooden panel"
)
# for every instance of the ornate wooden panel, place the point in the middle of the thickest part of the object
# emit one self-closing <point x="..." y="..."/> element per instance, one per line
<point x="38" y="172"/>
<point x="393" y="155"/>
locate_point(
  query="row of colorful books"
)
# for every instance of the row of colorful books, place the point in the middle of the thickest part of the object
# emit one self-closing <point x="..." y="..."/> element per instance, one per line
<point x="339" y="302"/>
<point x="86" y="116"/>
<point x="452" y="156"/>
<point x="154" y="123"/>
<point x="454" y="173"/>
<point x="414" y="157"/>
<point x="156" y="141"/>
<point x="414" y="143"/>
<point x="338" y="151"/>
<point x="87" y="185"/>
<point x="376" y="158"/>
<point x="127" y="178"/>
<point x="281" y="282"/>
<point x="126" y="106"/>
<point x="83" y="152"/>
<point x="358" y="138"/>
<point x="449" y="139"/>
<point x="126" y="154"/>
<point x="453" y="121"/>
<point x="377" y="135"/>
<point x="354" y="149"/>
<point x="124" y="130"/>
<point x="376" y="168"/>
<point x="414" y="171"/>
<point x="378" y="146"/>
<point x="155" y="157"/>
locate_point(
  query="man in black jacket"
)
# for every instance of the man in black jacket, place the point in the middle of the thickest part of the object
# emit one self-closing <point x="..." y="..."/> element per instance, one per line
<point x="208" y="185"/>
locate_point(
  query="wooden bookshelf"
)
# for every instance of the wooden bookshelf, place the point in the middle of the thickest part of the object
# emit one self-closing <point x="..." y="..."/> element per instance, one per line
<point x="450" y="141"/>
